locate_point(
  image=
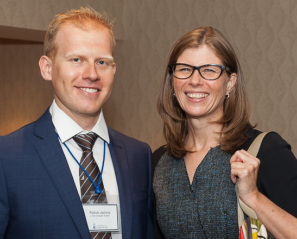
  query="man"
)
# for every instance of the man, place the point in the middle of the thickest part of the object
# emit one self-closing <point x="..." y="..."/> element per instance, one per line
<point x="43" y="192"/>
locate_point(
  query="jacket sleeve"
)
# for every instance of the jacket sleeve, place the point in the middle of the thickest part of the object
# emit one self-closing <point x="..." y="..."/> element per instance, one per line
<point x="150" y="229"/>
<point x="4" y="205"/>
<point x="156" y="157"/>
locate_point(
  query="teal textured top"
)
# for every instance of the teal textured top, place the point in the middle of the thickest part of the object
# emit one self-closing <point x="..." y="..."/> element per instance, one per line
<point x="207" y="208"/>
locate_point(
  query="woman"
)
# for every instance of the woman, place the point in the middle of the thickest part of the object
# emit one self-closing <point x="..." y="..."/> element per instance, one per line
<point x="205" y="110"/>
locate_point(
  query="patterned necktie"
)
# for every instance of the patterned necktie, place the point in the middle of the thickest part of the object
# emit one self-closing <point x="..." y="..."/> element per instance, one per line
<point x="88" y="195"/>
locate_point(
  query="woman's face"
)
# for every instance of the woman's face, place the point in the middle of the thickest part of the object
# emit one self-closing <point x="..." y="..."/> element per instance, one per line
<point x="198" y="97"/>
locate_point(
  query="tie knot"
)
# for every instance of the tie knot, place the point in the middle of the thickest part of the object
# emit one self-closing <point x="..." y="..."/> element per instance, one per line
<point x="85" y="141"/>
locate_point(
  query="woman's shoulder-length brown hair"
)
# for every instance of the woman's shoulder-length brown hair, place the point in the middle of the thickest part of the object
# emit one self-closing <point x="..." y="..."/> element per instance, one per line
<point x="235" y="121"/>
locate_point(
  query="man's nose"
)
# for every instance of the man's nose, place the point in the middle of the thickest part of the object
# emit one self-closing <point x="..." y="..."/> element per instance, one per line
<point x="90" y="72"/>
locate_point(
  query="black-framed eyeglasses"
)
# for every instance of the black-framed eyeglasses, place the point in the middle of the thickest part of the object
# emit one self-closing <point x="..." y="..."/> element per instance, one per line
<point x="208" y="72"/>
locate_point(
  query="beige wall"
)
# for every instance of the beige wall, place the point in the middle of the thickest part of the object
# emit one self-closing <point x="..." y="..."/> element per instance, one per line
<point x="23" y="95"/>
<point x="263" y="33"/>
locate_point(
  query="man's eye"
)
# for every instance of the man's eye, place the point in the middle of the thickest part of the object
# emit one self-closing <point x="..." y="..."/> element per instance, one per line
<point x="102" y="63"/>
<point x="76" y="60"/>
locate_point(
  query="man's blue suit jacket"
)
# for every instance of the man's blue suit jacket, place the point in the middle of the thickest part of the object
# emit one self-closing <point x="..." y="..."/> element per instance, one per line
<point x="38" y="197"/>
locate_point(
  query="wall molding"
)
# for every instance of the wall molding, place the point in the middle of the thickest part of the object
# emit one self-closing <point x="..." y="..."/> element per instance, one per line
<point x="24" y="34"/>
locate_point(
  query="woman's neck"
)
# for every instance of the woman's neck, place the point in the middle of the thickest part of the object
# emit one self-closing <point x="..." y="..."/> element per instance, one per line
<point x="202" y="135"/>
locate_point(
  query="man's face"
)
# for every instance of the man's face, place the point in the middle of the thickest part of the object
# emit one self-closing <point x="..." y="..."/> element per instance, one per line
<point x="82" y="71"/>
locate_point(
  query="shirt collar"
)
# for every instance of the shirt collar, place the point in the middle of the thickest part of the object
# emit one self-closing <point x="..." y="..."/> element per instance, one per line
<point x="67" y="127"/>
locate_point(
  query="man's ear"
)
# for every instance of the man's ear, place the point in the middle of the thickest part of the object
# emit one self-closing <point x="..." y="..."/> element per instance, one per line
<point x="45" y="65"/>
<point x="114" y="67"/>
<point x="231" y="82"/>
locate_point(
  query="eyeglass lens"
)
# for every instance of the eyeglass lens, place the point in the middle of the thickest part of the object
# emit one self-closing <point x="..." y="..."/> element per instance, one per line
<point x="208" y="72"/>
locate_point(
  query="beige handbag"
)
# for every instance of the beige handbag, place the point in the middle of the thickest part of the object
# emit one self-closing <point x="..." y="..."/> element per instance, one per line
<point x="251" y="227"/>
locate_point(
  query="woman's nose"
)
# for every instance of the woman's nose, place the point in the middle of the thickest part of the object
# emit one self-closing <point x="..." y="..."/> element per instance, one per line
<point x="196" y="78"/>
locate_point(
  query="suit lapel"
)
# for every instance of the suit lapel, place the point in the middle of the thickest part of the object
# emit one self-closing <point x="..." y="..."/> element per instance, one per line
<point x="121" y="167"/>
<point x="51" y="154"/>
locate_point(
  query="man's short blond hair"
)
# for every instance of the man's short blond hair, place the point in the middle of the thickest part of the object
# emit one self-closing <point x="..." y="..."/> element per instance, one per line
<point x="83" y="18"/>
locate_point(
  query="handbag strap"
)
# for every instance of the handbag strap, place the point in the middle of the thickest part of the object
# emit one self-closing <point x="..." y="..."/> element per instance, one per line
<point x="242" y="207"/>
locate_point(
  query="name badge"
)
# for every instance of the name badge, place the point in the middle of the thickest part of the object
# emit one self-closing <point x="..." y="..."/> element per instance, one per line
<point x="101" y="217"/>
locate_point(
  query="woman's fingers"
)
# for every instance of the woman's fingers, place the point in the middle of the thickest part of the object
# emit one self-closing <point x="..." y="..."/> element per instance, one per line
<point x="244" y="156"/>
<point x="245" y="167"/>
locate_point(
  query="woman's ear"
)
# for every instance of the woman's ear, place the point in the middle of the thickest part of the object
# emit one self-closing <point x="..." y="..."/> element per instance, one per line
<point x="45" y="65"/>
<point x="231" y="82"/>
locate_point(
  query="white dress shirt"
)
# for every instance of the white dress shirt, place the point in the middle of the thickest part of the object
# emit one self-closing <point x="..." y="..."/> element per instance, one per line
<point x="66" y="129"/>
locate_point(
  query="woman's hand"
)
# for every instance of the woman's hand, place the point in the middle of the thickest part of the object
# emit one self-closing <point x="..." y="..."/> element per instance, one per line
<point x="245" y="167"/>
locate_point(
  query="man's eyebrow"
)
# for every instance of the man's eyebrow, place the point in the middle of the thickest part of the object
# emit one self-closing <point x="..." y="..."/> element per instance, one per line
<point x="73" y="54"/>
<point x="105" y="58"/>
<point x="69" y="55"/>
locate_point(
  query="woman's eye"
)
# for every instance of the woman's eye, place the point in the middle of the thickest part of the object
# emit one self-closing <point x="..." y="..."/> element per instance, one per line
<point x="184" y="69"/>
<point x="209" y="70"/>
